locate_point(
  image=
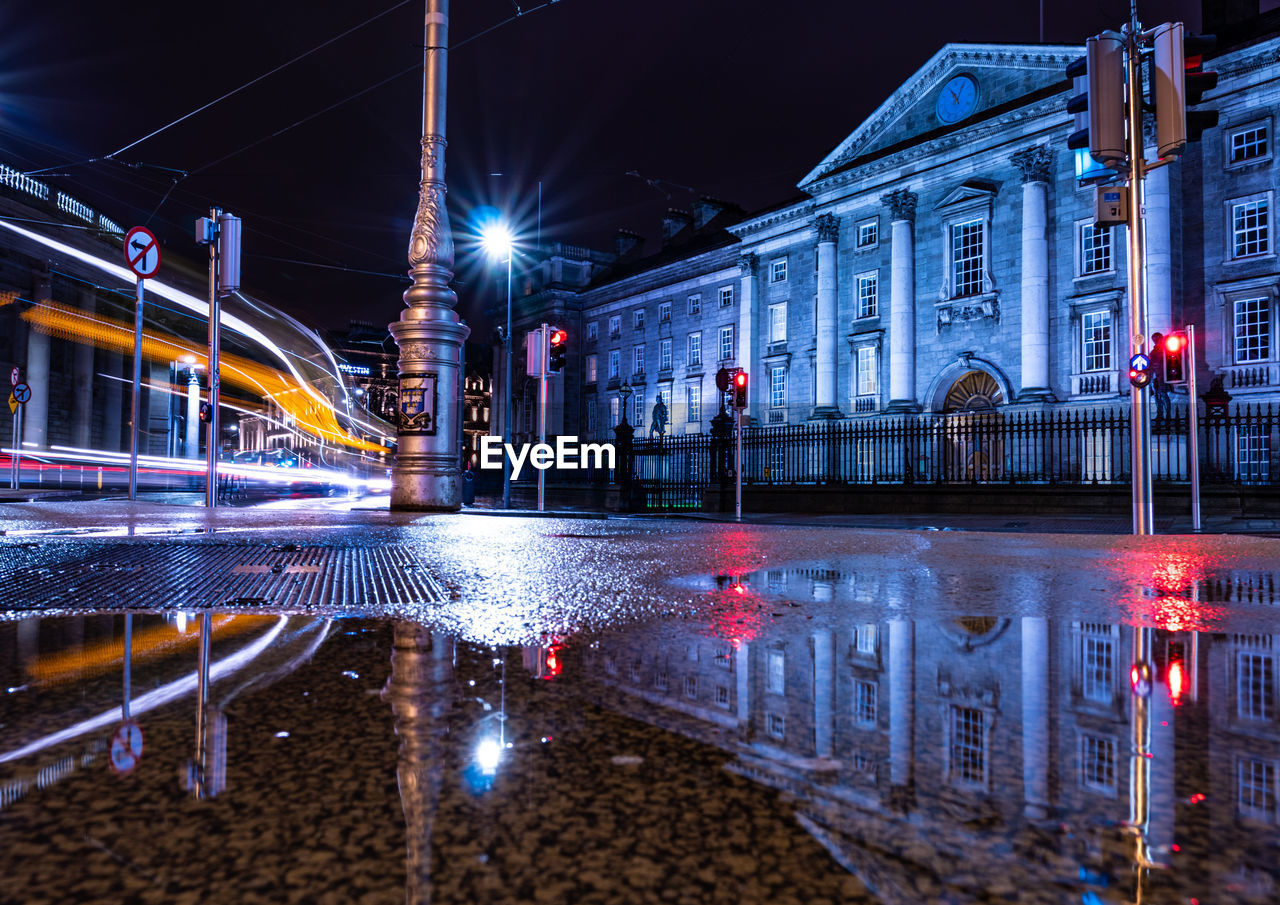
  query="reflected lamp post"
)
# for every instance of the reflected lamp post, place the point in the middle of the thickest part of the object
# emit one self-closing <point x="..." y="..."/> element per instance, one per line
<point x="498" y="242"/>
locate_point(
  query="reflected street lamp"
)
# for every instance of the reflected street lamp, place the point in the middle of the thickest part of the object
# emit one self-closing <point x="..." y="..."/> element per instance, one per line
<point x="498" y="242"/>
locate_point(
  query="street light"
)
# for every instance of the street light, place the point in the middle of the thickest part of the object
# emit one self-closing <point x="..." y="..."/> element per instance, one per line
<point x="498" y="242"/>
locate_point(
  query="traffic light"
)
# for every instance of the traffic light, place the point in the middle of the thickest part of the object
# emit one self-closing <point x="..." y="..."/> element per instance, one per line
<point x="740" y="389"/>
<point x="1140" y="679"/>
<point x="1098" y="79"/>
<point x="1140" y="370"/>
<point x="559" y="343"/>
<point x="206" y="412"/>
<point x="1180" y="83"/>
<point x="1175" y="357"/>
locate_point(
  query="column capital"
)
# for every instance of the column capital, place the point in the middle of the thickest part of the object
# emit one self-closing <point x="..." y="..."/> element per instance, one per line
<point x="748" y="264"/>
<point x="827" y="226"/>
<point x="901" y="204"/>
<point x="1036" y="163"/>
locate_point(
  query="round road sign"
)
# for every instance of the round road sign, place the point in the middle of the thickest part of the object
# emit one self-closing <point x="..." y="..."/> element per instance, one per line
<point x="21" y="393"/>
<point x="15" y="376"/>
<point x="142" y="252"/>
<point x="126" y="747"/>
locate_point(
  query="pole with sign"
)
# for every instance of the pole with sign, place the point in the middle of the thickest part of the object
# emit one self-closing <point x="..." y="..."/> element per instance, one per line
<point x="15" y="409"/>
<point x="1193" y="428"/>
<point x="142" y="254"/>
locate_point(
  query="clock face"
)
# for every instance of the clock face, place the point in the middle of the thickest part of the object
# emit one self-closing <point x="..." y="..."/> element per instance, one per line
<point x="958" y="99"/>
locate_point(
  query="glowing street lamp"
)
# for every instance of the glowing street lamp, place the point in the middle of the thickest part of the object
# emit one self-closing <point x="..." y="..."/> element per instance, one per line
<point x="499" y="243"/>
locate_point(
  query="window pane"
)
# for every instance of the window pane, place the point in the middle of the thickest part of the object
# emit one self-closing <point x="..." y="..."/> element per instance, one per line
<point x="778" y="387"/>
<point x="868" y="372"/>
<point x="966" y="257"/>
<point x="1253" y="329"/>
<point x="695" y="349"/>
<point x="726" y="343"/>
<point x="1249" y="144"/>
<point x="968" y="744"/>
<point x="1095" y="329"/>
<point x="1250" y="228"/>
<point x="778" y="323"/>
<point x="664" y="354"/>
<point x="1095" y="249"/>
<point x="868" y="295"/>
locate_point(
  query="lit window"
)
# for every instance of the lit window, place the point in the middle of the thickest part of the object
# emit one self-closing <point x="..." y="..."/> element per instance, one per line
<point x="778" y="271"/>
<point x="1095" y="330"/>
<point x="868" y="294"/>
<point x="664" y="355"/>
<point x="1095" y="661"/>
<point x="615" y="326"/>
<point x="1095" y="249"/>
<point x="591" y="368"/>
<point x="865" y="695"/>
<point x="1248" y="144"/>
<point x="637" y="319"/>
<point x="637" y="408"/>
<point x="726" y="343"/>
<point x="864" y="638"/>
<point x="1255" y="686"/>
<point x="695" y="305"/>
<point x="726" y="296"/>
<point x="693" y="399"/>
<point x="664" y="312"/>
<point x="1253" y="453"/>
<point x="592" y="330"/>
<point x="778" y="387"/>
<point x="695" y="349"/>
<point x="868" y="371"/>
<point x="967" y="257"/>
<point x="868" y="233"/>
<point x="778" y="323"/>
<point x="615" y="407"/>
<point x="615" y="364"/>
<point x="1252" y="329"/>
<point x="1098" y="763"/>
<point x="968" y="745"/>
<point x="1250" y="229"/>
<point x="637" y="361"/>
<point x="776" y="676"/>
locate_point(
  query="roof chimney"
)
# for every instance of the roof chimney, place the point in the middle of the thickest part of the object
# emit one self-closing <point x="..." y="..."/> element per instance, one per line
<point x="673" y="223"/>
<point x="705" y="210"/>
<point x="626" y="241"/>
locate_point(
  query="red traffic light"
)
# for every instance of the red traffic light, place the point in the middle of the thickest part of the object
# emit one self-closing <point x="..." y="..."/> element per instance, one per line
<point x="740" y="379"/>
<point x="1173" y="342"/>
<point x="558" y="337"/>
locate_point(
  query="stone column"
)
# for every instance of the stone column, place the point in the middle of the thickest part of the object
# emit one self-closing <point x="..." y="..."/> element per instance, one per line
<point x="824" y="693"/>
<point x="426" y="475"/>
<point x="82" y="377"/>
<point x="902" y="302"/>
<point x="902" y="716"/>
<point x="827" y="402"/>
<point x="746" y="338"/>
<point x="112" y="401"/>
<point x="1035" y="717"/>
<point x="1159" y="231"/>
<point x="35" y="416"/>
<point x="742" y="669"/>
<point x="1036" y="164"/>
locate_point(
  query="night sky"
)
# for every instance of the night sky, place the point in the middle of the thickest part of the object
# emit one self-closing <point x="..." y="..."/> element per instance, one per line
<point x="732" y="98"/>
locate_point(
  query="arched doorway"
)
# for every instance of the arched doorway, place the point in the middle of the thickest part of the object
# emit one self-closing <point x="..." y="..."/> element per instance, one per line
<point x="972" y="447"/>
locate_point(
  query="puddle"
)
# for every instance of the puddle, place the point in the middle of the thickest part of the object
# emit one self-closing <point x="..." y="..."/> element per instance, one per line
<point x="738" y="757"/>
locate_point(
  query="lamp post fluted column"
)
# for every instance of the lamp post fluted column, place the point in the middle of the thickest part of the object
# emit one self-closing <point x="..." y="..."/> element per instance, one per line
<point x="426" y="474"/>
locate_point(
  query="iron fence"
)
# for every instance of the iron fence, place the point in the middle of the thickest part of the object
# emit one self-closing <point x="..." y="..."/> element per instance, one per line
<point x="1062" y="447"/>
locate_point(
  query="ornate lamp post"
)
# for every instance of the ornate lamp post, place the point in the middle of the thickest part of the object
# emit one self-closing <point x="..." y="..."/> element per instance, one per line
<point x="426" y="473"/>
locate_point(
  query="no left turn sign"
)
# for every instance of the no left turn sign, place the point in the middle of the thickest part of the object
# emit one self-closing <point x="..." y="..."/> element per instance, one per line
<point x="142" y="252"/>
<point x="22" y="393"/>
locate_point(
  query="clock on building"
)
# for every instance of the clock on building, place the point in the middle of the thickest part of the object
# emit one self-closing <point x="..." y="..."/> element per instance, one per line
<point x="958" y="99"/>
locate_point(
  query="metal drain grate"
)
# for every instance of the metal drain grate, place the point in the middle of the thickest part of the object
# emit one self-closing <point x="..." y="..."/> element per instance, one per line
<point x="289" y="576"/>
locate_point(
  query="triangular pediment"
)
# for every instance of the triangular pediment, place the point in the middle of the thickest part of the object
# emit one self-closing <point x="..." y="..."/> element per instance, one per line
<point x="970" y="190"/>
<point x="927" y="103"/>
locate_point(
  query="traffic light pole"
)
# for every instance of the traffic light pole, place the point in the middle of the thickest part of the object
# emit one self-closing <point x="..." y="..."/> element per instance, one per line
<point x="215" y="350"/>
<point x="1140" y="421"/>
<point x="737" y="468"/>
<point x="1193" y="429"/>
<point x="545" y="345"/>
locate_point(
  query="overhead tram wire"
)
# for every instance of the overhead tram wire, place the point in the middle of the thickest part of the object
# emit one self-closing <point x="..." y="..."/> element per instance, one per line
<point x="232" y="92"/>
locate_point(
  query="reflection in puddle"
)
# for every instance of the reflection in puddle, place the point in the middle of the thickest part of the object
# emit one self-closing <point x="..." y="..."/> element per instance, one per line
<point x="738" y="757"/>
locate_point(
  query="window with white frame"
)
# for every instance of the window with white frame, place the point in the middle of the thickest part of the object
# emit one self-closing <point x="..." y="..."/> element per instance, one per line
<point x="637" y="319"/>
<point x="778" y="323"/>
<point x="1095" y="249"/>
<point x="693" y="402"/>
<point x="868" y="233"/>
<point x="967" y="257"/>
<point x="1095" y="337"/>
<point x="664" y="393"/>
<point x="695" y="305"/>
<point x="776" y="672"/>
<point x="615" y="326"/>
<point x="968" y="750"/>
<point x="1252" y="329"/>
<point x="637" y="361"/>
<point x="778" y="271"/>
<point x="593" y="330"/>
<point x="864" y="639"/>
<point x="1095" y="660"/>
<point x="777" y="387"/>
<point x="868" y="294"/>
<point x="664" y="312"/>
<point x="1256" y="789"/>
<point x="1255" y="686"/>
<point x="867" y="371"/>
<point x="726" y="296"/>
<point x="591" y="368"/>
<point x="664" y="355"/>
<point x="1098" y="763"/>
<point x="615" y="407"/>
<point x="615" y="364"/>
<point x="1253" y="453"/>
<point x="775" y="725"/>
<point x="726" y="343"/>
<point x="1250" y="228"/>
<point x="1249" y="143"/>
<point x="695" y="349"/>
<point x="864" y="702"/>
<point x="637" y="408"/>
